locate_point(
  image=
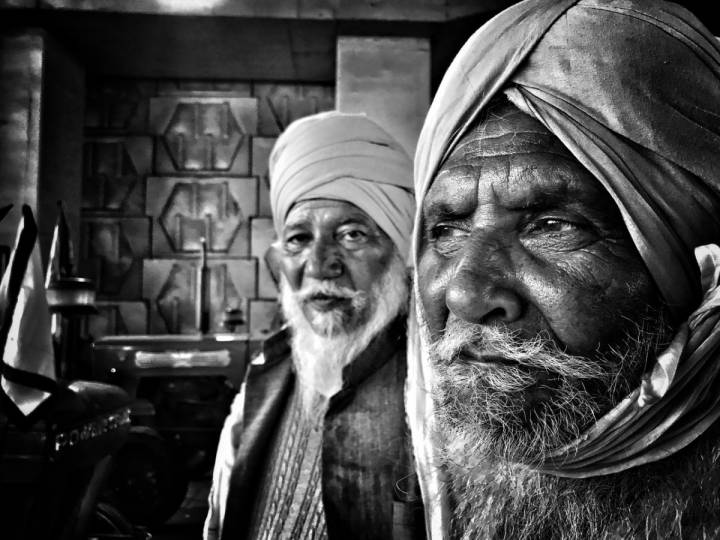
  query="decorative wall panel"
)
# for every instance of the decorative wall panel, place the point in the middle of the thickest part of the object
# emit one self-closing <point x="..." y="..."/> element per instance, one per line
<point x="119" y="318"/>
<point x="170" y="284"/>
<point x="112" y="251"/>
<point x="281" y="104"/>
<point x="118" y="105"/>
<point x="203" y="133"/>
<point x="168" y="162"/>
<point x="261" y="148"/>
<point x="114" y="173"/>
<point x="185" y="210"/>
<point x="262" y="235"/>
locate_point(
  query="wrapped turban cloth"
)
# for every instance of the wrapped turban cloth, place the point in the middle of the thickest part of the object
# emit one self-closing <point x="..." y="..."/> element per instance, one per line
<point x="632" y="89"/>
<point x="345" y="157"/>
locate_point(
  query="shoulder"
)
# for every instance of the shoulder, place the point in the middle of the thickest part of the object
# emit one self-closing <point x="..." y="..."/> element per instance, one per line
<point x="275" y="349"/>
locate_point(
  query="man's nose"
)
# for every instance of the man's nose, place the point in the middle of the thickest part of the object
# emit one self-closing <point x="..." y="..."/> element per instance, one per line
<point x="481" y="288"/>
<point x="324" y="261"/>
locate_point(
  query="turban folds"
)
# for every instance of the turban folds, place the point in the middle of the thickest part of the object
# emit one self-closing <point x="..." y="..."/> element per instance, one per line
<point x="345" y="157"/>
<point x="632" y="89"/>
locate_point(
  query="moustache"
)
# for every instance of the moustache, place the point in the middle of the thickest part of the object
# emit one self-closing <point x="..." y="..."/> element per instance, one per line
<point x="481" y="347"/>
<point x="313" y="289"/>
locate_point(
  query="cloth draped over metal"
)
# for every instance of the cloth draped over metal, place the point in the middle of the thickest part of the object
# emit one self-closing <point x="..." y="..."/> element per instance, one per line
<point x="632" y="89"/>
<point x="28" y="360"/>
<point x="346" y="157"/>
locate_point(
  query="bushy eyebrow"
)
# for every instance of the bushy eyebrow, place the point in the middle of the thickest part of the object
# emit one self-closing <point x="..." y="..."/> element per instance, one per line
<point x="305" y="222"/>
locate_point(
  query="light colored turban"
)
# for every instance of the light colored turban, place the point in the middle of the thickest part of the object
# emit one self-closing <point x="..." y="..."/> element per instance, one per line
<point x="345" y="157"/>
<point x="632" y="89"/>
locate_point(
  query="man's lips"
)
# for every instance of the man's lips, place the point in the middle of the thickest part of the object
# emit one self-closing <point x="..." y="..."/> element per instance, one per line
<point x="471" y="357"/>
<point x="326" y="302"/>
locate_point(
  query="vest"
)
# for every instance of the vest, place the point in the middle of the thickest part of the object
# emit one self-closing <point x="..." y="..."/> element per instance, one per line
<point x="368" y="475"/>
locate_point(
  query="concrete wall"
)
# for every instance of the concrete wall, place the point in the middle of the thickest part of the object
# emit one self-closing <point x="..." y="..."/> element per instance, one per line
<point x="41" y="119"/>
<point x="388" y="78"/>
<point x="167" y="162"/>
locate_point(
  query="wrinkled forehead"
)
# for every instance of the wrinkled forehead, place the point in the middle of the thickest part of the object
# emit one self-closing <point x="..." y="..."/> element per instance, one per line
<point x="504" y="136"/>
<point x="514" y="160"/>
<point x="325" y="210"/>
<point x="505" y="130"/>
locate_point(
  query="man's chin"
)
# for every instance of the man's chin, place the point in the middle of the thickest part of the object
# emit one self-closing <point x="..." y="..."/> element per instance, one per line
<point x="519" y="426"/>
<point x="331" y="322"/>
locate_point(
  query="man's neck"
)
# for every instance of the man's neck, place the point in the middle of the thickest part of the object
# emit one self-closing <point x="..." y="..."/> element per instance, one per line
<point x="380" y="349"/>
<point x="322" y="363"/>
<point x="676" y="497"/>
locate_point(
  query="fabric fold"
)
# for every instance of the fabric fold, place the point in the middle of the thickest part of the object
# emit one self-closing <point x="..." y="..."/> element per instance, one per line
<point x="345" y="157"/>
<point x="632" y="89"/>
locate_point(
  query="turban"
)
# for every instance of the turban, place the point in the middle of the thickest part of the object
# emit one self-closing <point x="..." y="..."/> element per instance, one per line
<point x="632" y="89"/>
<point x="345" y="157"/>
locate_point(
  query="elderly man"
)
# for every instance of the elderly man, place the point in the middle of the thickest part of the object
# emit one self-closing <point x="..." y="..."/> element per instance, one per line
<point x="316" y="444"/>
<point x="566" y="382"/>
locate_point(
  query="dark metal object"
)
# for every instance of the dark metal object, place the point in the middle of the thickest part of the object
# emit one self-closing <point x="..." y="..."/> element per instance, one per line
<point x="202" y="309"/>
<point x="70" y="299"/>
<point x="233" y="318"/>
<point x="181" y="387"/>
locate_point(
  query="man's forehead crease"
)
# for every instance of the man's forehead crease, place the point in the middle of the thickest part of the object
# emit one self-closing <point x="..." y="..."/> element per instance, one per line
<point x="498" y="142"/>
<point x="453" y="188"/>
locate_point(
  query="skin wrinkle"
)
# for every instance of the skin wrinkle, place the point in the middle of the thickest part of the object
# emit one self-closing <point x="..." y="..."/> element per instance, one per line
<point x="333" y="240"/>
<point x="335" y="250"/>
<point x="527" y="247"/>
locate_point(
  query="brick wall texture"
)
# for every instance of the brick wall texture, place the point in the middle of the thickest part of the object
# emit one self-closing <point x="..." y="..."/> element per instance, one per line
<point x="165" y="164"/>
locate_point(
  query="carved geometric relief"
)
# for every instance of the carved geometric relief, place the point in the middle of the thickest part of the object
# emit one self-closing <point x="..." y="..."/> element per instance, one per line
<point x="118" y="105"/>
<point x="262" y="235"/>
<point x="114" y="171"/>
<point x="261" y="148"/>
<point x="169" y="285"/>
<point x="264" y="317"/>
<point x="199" y="133"/>
<point x="112" y="250"/>
<point x="118" y="318"/>
<point x="281" y="104"/>
<point x="185" y="210"/>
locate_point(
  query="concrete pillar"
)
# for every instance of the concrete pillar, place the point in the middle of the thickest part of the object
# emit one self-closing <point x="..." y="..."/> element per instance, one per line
<point x="388" y="78"/>
<point x="42" y="101"/>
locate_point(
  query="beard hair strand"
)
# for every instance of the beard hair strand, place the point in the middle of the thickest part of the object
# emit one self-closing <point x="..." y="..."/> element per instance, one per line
<point x="491" y="434"/>
<point x="321" y="349"/>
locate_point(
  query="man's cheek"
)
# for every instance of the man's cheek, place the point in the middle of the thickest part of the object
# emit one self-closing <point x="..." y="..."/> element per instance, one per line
<point x="291" y="268"/>
<point x="432" y="283"/>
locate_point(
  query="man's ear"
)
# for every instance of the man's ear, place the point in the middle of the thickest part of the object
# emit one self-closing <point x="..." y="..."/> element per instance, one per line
<point x="273" y="257"/>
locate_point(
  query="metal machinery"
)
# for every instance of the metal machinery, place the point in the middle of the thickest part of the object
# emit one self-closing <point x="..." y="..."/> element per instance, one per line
<point x="181" y="388"/>
<point x="54" y="461"/>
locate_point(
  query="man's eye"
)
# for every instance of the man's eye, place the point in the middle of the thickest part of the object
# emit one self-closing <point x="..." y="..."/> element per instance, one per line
<point x="446" y="232"/>
<point x="353" y="237"/>
<point x="552" y="225"/>
<point x="446" y="239"/>
<point x="558" y="234"/>
<point x="296" y="242"/>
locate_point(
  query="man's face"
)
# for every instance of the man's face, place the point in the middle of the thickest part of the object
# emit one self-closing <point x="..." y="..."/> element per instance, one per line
<point x="533" y="291"/>
<point x="332" y="254"/>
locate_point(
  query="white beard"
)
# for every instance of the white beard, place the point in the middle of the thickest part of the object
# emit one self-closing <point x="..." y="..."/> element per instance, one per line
<point x="319" y="358"/>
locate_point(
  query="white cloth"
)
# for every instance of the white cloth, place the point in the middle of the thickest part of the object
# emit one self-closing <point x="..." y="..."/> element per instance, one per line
<point x="345" y="157"/>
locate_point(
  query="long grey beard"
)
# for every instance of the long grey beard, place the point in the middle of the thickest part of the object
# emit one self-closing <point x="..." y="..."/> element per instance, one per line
<point x="672" y="499"/>
<point x="320" y="357"/>
<point x="543" y="399"/>
<point x="492" y="433"/>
